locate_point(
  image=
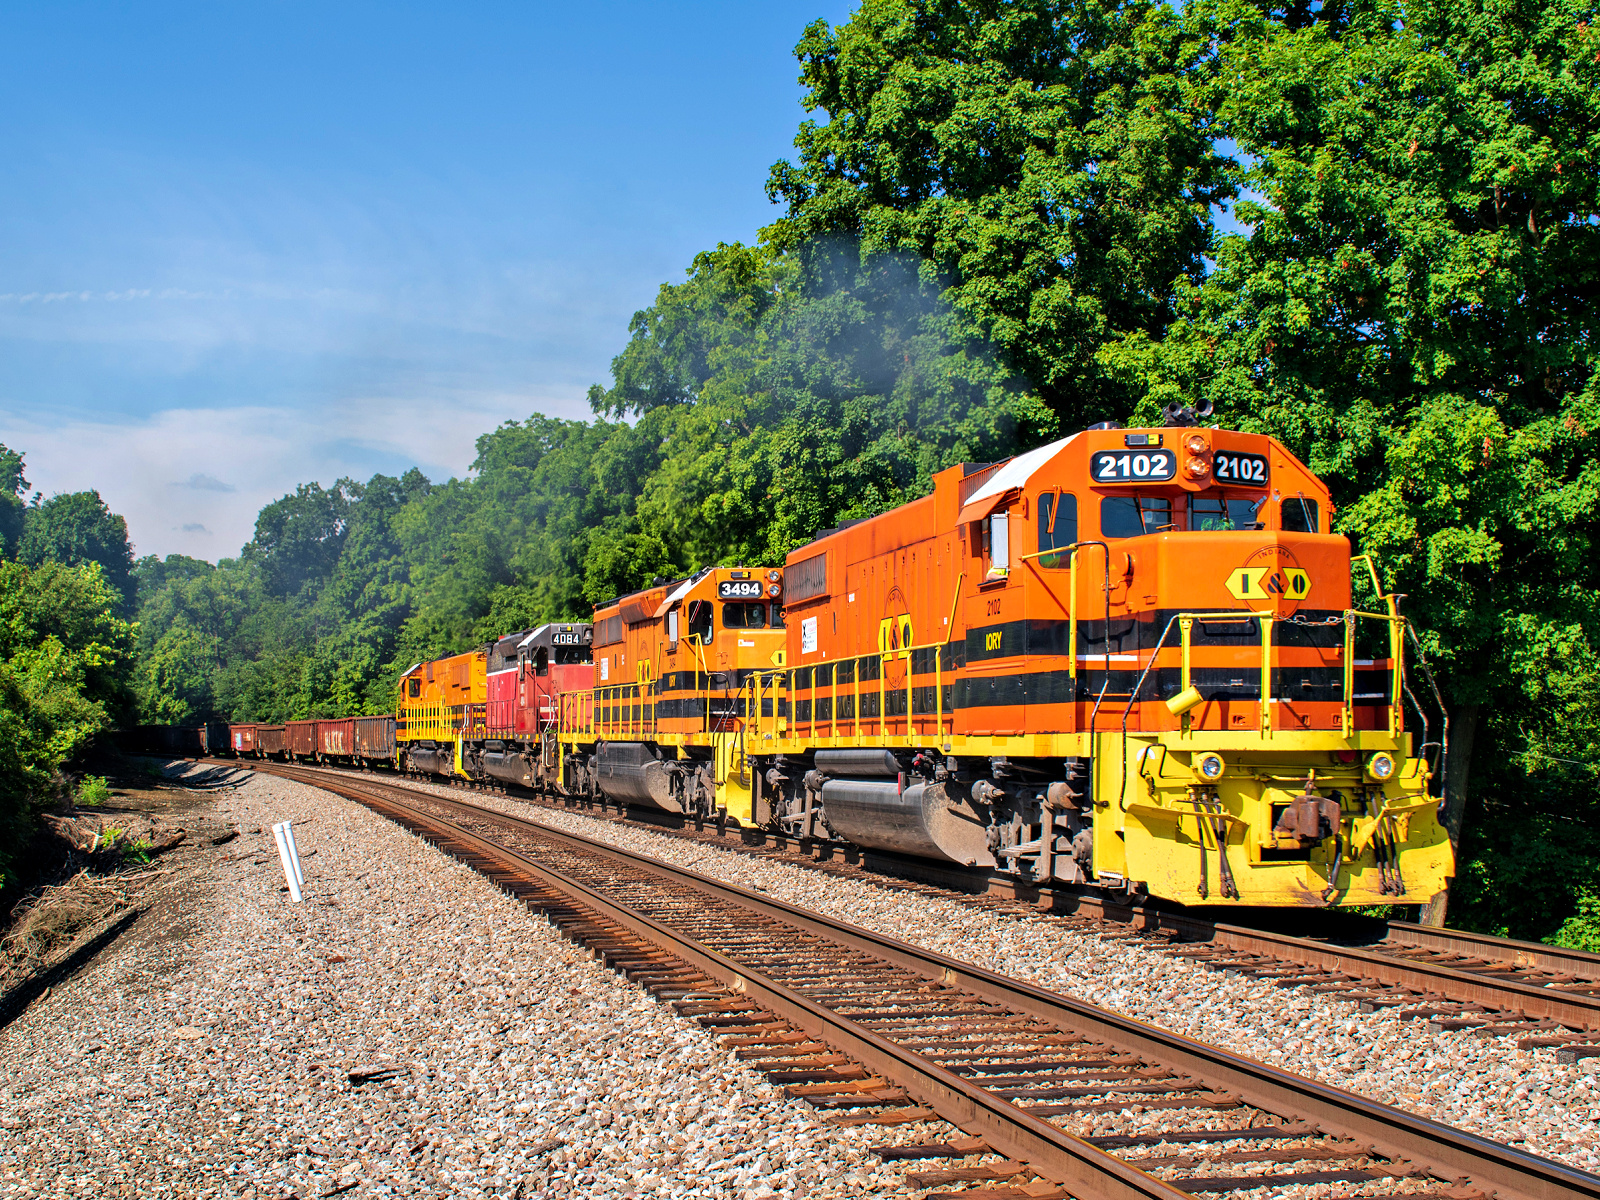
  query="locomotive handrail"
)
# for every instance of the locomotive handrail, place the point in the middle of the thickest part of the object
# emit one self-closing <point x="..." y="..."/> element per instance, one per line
<point x="1185" y="622"/>
<point x="1266" y="677"/>
<point x="1072" y="608"/>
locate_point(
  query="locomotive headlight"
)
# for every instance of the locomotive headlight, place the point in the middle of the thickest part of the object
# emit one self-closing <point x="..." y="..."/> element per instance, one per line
<point x="1212" y="766"/>
<point x="1381" y="766"/>
<point x="773" y="577"/>
<point x="1197" y="444"/>
<point x="1198" y="468"/>
<point x="774" y="590"/>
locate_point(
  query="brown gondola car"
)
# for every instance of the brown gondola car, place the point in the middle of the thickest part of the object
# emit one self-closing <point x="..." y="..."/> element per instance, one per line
<point x="214" y="738"/>
<point x="272" y="741"/>
<point x="336" y="739"/>
<point x="374" y="739"/>
<point x="302" y="739"/>
<point x="242" y="740"/>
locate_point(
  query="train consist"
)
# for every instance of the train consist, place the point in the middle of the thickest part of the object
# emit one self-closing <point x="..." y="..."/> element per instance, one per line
<point x="1127" y="659"/>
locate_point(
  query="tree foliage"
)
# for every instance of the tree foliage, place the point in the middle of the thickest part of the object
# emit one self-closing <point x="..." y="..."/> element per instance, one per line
<point x="1052" y="162"/>
<point x="13" y="508"/>
<point x="76" y="528"/>
<point x="1411" y="308"/>
<point x="64" y="654"/>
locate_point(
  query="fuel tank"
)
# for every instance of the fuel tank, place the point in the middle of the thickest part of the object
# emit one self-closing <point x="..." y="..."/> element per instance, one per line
<point x="634" y="773"/>
<point x="512" y="768"/>
<point x="434" y="760"/>
<point x="930" y="820"/>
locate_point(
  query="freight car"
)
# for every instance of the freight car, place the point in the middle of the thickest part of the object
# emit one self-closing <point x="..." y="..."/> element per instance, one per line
<point x="272" y="742"/>
<point x="336" y="740"/>
<point x="375" y="740"/>
<point x="178" y="741"/>
<point x="213" y="737"/>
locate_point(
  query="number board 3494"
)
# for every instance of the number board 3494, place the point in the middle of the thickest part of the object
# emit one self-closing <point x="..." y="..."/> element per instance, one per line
<point x="1247" y="469"/>
<point x="739" y="589"/>
<point x="1132" y="466"/>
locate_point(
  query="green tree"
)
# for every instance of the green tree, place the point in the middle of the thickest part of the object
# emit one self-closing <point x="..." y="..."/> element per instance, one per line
<point x="298" y="538"/>
<point x="76" y="528"/>
<point x="1412" y="310"/>
<point x="13" y="509"/>
<point x="64" y="655"/>
<point x="1051" y="161"/>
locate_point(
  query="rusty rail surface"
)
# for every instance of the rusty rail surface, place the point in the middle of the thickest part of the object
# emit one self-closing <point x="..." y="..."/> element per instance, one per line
<point x="1456" y="979"/>
<point x="760" y="937"/>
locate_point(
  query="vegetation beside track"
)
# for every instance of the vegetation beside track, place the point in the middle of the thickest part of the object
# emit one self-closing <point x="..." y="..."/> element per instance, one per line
<point x="1004" y="223"/>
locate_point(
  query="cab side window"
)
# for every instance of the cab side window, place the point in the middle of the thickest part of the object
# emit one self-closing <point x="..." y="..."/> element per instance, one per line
<point x="541" y="661"/>
<point x="1058" y="526"/>
<point x="700" y="620"/>
<point x="997" y="544"/>
<point x="413" y="687"/>
<point x="1299" y="515"/>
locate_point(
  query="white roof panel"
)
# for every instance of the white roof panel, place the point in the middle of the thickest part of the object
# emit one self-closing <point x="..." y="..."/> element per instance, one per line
<point x="1014" y="474"/>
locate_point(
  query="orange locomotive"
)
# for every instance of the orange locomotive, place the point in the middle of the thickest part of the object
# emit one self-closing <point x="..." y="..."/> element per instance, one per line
<point x="1128" y="657"/>
<point x="680" y="669"/>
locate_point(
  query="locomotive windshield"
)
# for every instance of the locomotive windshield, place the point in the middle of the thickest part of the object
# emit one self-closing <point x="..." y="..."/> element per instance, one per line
<point x="1208" y="512"/>
<point x="567" y="656"/>
<point x="748" y="615"/>
<point x="1133" y="516"/>
<point x="1215" y="511"/>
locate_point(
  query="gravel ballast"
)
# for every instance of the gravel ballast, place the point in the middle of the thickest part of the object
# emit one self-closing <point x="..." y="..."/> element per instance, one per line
<point x="1484" y="1085"/>
<point x="408" y="1030"/>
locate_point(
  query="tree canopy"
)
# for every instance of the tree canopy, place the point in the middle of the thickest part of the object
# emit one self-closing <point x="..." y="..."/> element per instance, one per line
<point x="76" y="528"/>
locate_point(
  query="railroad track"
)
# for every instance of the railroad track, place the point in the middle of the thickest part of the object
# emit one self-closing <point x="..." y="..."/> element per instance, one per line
<point x="880" y="1032"/>
<point x="1546" y="996"/>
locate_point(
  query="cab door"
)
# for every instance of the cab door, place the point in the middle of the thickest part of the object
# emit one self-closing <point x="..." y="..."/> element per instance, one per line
<point x="992" y="699"/>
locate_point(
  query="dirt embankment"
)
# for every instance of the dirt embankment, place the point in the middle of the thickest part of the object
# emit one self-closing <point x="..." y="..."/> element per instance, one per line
<point x="92" y="868"/>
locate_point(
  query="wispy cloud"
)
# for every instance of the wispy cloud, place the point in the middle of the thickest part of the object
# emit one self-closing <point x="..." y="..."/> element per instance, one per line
<point x="128" y="294"/>
<point x="268" y="453"/>
<point x="204" y="483"/>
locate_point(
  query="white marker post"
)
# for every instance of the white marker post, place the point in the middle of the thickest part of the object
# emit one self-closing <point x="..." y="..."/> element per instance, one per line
<point x="283" y="834"/>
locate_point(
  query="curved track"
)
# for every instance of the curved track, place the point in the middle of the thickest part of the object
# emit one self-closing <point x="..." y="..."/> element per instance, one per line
<point x="854" y="1020"/>
<point x="1546" y="995"/>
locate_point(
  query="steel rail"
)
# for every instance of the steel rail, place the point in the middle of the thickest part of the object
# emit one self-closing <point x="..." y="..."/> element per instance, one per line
<point x="1008" y="1129"/>
<point x="1374" y="962"/>
<point x="1446" y="1152"/>
<point x="1496" y="949"/>
<point x="1575" y="1010"/>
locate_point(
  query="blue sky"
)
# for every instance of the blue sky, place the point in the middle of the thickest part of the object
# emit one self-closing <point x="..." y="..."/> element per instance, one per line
<point x="248" y="246"/>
